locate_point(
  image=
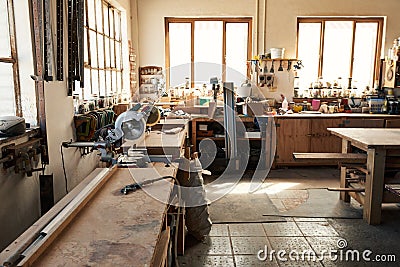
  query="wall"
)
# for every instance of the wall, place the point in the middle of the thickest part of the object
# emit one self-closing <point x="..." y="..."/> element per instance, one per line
<point x="20" y="205"/>
<point x="280" y="24"/>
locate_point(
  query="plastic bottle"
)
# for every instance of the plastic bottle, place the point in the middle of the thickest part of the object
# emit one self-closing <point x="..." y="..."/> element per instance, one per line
<point x="285" y="104"/>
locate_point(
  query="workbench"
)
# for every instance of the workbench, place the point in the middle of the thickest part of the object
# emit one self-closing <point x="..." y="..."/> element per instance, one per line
<point x="156" y="142"/>
<point x="376" y="143"/>
<point x="113" y="229"/>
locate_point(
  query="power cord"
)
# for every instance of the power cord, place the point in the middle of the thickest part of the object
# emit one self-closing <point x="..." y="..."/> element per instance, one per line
<point x="65" y="173"/>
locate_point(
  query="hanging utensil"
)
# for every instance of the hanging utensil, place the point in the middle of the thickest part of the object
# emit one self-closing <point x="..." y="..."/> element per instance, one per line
<point x="272" y="67"/>
<point x="265" y="70"/>
<point x="280" y="66"/>
<point x="289" y="65"/>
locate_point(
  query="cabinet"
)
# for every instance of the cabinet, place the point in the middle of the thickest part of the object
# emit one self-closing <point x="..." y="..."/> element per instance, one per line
<point x="151" y="83"/>
<point x="304" y="135"/>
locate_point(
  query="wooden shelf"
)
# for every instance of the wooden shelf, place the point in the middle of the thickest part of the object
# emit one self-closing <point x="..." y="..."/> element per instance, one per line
<point x="275" y="59"/>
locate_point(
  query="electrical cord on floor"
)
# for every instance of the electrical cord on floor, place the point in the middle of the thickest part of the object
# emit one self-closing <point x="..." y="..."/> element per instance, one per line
<point x="63" y="165"/>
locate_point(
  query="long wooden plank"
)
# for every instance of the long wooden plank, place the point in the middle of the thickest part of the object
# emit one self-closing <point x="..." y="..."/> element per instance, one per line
<point x="13" y="252"/>
<point x="55" y="227"/>
<point x="340" y="157"/>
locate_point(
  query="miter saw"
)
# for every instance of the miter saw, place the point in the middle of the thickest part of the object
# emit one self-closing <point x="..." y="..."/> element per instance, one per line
<point x="130" y="125"/>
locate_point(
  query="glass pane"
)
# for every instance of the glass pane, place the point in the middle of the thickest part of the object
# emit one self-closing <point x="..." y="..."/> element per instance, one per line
<point x="100" y="50"/>
<point x="179" y="53"/>
<point x="119" y="81"/>
<point x="87" y="90"/>
<point x="118" y="55"/>
<point x="117" y="25"/>
<point x="107" y="52"/>
<point x="112" y="29"/>
<point x="102" y="82"/>
<point x="86" y="60"/>
<point x="108" y="83"/>
<point x="337" y="50"/>
<point x="112" y="53"/>
<point x="88" y="85"/>
<point x="91" y="16"/>
<point x="114" y="82"/>
<point x="236" y="52"/>
<point x="207" y="50"/>
<point x="7" y="100"/>
<point x="5" y="50"/>
<point x="93" y="49"/>
<point x="106" y="22"/>
<point x="308" y="51"/>
<point x="99" y="15"/>
<point x="364" y="55"/>
<point x="95" y="82"/>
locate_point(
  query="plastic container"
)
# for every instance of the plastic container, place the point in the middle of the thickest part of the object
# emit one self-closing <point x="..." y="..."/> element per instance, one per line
<point x="277" y="53"/>
<point x="315" y="104"/>
<point x="285" y="104"/>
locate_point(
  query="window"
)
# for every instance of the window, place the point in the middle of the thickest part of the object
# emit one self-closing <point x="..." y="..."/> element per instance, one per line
<point x="17" y="89"/>
<point x="202" y="48"/>
<point x="103" y="50"/>
<point x="339" y="50"/>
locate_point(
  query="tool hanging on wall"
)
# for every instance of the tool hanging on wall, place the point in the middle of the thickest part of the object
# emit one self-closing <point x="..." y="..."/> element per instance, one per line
<point x="48" y="48"/>
<point x="60" y="41"/>
<point x="75" y="44"/>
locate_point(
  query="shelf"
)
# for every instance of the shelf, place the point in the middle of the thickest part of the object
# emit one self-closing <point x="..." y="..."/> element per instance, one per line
<point x="275" y="59"/>
<point x="223" y="138"/>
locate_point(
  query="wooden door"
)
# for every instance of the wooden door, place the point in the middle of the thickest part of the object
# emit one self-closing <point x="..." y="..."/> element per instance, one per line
<point x="293" y="135"/>
<point x="321" y="139"/>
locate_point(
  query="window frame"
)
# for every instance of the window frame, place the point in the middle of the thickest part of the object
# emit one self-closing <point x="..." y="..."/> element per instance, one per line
<point x="355" y="20"/>
<point x="13" y="59"/>
<point x="107" y="37"/>
<point x="168" y="20"/>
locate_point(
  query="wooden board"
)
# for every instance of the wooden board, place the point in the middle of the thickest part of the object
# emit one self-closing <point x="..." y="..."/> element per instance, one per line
<point x="332" y="157"/>
<point x="115" y="229"/>
<point x="12" y="252"/>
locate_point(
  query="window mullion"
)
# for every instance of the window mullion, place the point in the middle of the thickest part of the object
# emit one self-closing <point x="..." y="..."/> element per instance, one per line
<point x="224" y="52"/>
<point x="321" y="48"/>
<point x="352" y="50"/>
<point x="192" y="54"/>
<point x="14" y="56"/>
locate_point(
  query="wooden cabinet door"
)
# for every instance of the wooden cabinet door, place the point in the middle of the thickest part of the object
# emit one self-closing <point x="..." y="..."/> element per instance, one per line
<point x="364" y="123"/>
<point x="321" y="139"/>
<point x="293" y="135"/>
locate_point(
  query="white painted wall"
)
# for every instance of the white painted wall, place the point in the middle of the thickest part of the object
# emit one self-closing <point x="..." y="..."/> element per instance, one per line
<point x="280" y="24"/>
<point x="19" y="205"/>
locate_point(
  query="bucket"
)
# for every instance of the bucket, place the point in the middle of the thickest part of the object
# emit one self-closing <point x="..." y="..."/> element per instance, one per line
<point x="277" y="53"/>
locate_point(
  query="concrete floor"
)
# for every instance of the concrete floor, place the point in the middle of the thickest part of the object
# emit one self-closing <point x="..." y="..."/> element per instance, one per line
<point x="239" y="244"/>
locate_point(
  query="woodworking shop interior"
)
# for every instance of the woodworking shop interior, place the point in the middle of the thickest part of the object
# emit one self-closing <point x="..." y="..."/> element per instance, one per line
<point x="199" y="133"/>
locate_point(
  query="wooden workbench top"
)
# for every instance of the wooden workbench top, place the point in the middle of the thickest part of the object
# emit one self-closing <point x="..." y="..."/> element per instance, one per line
<point x="370" y="137"/>
<point x="115" y="229"/>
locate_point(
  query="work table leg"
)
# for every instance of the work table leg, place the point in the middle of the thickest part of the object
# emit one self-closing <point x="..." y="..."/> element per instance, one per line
<point x="343" y="183"/>
<point x="374" y="185"/>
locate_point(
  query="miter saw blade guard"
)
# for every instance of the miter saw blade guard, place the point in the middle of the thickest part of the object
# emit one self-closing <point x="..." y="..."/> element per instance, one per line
<point x="12" y="126"/>
<point x="130" y="125"/>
